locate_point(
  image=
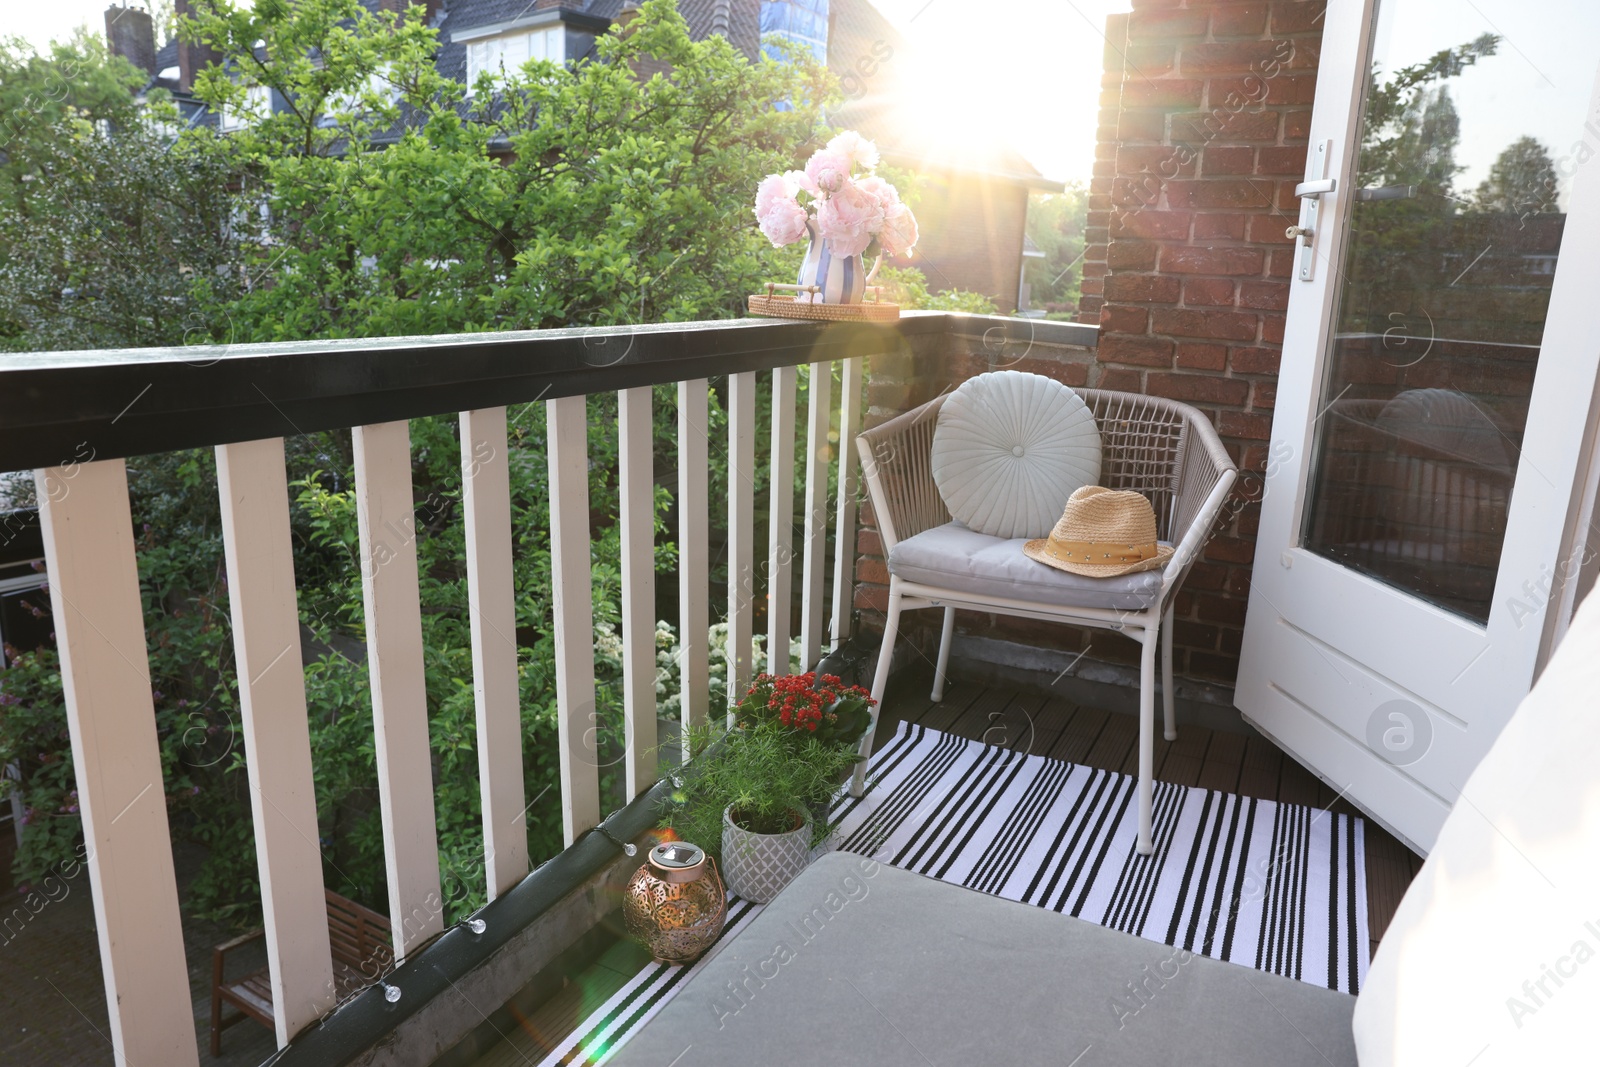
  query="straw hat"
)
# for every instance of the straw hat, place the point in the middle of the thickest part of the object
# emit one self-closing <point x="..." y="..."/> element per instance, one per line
<point x="1103" y="533"/>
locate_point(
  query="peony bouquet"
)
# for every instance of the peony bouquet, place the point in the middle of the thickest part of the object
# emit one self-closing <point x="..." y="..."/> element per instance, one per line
<point x="856" y="213"/>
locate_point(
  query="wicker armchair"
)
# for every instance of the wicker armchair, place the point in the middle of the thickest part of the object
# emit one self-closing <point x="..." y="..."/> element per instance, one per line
<point x="1165" y="450"/>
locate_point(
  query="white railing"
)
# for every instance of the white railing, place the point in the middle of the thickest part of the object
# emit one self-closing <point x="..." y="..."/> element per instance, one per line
<point x="101" y="635"/>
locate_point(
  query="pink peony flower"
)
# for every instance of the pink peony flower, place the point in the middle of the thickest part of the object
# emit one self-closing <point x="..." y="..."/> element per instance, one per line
<point x="829" y="170"/>
<point x="887" y="194"/>
<point x="773" y="188"/>
<point x="860" y="151"/>
<point x="784" y="223"/>
<point x="849" y="219"/>
<point x="899" y="234"/>
<point x="802" y="181"/>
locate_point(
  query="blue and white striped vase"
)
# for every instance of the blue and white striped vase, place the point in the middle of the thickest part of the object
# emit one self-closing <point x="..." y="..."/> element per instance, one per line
<point x="840" y="279"/>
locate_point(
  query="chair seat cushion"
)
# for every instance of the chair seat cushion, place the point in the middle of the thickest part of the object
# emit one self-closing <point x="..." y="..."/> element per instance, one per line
<point x="966" y="561"/>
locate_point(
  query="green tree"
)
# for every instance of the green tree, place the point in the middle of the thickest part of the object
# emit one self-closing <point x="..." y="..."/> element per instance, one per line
<point x="1521" y="181"/>
<point x="554" y="195"/>
<point x="1056" y="222"/>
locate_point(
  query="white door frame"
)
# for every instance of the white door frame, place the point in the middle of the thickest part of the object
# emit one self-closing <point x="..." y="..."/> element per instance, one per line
<point x="1326" y="647"/>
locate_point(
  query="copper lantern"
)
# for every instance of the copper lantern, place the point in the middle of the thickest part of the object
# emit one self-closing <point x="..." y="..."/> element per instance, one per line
<point x="675" y="904"/>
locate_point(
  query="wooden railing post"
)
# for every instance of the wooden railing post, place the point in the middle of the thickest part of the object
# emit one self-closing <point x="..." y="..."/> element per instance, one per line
<point x="741" y="532"/>
<point x="254" y="490"/>
<point x="780" y="539"/>
<point x="393" y="610"/>
<point x="814" y="577"/>
<point x="105" y="679"/>
<point x="491" y="603"/>
<point x="638" y="520"/>
<point x="694" y="556"/>
<point x="844" y="549"/>
<point x="573" y="606"/>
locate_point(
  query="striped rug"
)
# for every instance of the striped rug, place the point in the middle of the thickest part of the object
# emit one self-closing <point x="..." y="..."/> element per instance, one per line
<point x="1278" y="887"/>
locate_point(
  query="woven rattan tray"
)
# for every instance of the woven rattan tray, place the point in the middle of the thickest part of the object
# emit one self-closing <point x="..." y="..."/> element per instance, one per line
<point x="783" y="306"/>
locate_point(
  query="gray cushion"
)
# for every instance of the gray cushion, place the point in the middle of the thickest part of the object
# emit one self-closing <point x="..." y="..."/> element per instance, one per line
<point x="956" y="558"/>
<point x="860" y="963"/>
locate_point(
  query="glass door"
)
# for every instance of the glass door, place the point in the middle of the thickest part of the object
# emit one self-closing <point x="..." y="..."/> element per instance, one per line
<point x="1437" y="378"/>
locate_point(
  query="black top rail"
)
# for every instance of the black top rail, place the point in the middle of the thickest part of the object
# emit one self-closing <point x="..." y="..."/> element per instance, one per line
<point x="58" y="408"/>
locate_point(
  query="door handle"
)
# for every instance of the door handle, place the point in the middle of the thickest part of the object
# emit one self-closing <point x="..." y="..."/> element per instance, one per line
<point x="1316" y="188"/>
<point x="1311" y="191"/>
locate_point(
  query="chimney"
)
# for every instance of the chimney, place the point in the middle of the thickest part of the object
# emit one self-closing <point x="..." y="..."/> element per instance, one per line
<point x="430" y="8"/>
<point x="193" y="56"/>
<point x="131" y="34"/>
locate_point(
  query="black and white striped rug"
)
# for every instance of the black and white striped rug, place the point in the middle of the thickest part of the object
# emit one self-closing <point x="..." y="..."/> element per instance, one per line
<point x="1278" y="887"/>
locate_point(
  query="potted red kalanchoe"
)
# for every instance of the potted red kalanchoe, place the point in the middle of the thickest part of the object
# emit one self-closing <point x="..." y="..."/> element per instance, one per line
<point x="820" y="707"/>
<point x="762" y="795"/>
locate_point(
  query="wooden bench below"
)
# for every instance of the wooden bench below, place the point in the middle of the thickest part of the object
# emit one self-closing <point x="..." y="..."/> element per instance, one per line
<point x="362" y="953"/>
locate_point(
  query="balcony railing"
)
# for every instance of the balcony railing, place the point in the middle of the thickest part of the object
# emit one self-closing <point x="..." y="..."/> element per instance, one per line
<point x="74" y="417"/>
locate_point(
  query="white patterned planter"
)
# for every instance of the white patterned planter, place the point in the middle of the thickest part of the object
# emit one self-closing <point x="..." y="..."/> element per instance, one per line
<point x="758" y="866"/>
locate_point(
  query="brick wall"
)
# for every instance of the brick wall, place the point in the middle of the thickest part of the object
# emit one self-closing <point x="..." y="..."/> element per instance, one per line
<point x="1205" y="112"/>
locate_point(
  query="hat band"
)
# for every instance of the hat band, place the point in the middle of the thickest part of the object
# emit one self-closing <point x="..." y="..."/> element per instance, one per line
<point x="1099" y="552"/>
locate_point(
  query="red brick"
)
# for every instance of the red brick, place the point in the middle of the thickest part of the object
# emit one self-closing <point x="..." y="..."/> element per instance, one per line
<point x="1248" y="425"/>
<point x="1254" y="360"/>
<point x="1143" y="288"/>
<point x="1132" y="255"/>
<point x="1228" y="160"/>
<point x="1210" y="607"/>
<point x="1239" y="20"/>
<point x="1166" y="25"/>
<point x="1263" y="396"/>
<point x="1163" y="93"/>
<point x="1214" y="227"/>
<point x="1168" y="225"/>
<point x="1212" y="292"/>
<point x="1219" y="192"/>
<point x="1296" y="125"/>
<point x="871" y="570"/>
<point x="1272" y="329"/>
<point x="1193" y="322"/>
<point x="1269" y="229"/>
<point x="872" y="598"/>
<point x="1136" y="126"/>
<point x="1203" y="388"/>
<point x="1286" y="199"/>
<point x="1260" y="91"/>
<point x="1206" y="665"/>
<point x="1242" y="57"/>
<point x="1280" y="264"/>
<point x="1150" y="60"/>
<point x="1212" y="260"/>
<point x="1268" y="296"/>
<point x="868" y="543"/>
<point x="1119" y="380"/>
<point x="1140" y="351"/>
<point x="1164" y="161"/>
<point x="1138" y="191"/>
<point x="1231" y="550"/>
<point x="1119" y="318"/>
<point x="1193" y="356"/>
<point x="1297" y="16"/>
<point x="1277" y="161"/>
<point x="1226" y="124"/>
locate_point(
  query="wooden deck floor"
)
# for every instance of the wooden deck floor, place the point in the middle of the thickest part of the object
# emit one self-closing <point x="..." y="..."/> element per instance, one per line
<point x="1214" y="759"/>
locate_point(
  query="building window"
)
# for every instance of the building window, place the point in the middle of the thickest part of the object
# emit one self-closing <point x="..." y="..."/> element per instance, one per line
<point x="510" y="51"/>
<point x="257" y="106"/>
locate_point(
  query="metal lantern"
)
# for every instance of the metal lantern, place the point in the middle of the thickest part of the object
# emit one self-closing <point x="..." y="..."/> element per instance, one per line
<point x="675" y="904"/>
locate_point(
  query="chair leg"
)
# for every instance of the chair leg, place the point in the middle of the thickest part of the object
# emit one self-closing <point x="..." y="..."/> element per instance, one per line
<point x="940" y="672"/>
<point x="1168" y="710"/>
<point x="880" y="680"/>
<point x="1147" y="730"/>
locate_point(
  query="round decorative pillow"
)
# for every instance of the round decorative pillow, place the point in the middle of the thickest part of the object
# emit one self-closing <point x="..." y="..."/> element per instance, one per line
<point x="1009" y="449"/>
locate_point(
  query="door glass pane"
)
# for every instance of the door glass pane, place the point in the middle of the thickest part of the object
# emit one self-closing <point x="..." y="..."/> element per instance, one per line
<point x="1472" y="128"/>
